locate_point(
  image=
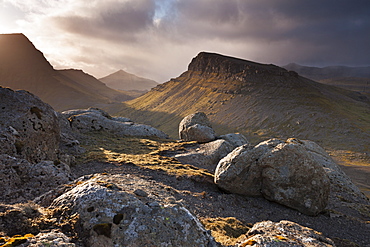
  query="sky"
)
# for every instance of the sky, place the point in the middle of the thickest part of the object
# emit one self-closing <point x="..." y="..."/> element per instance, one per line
<point x="157" y="39"/>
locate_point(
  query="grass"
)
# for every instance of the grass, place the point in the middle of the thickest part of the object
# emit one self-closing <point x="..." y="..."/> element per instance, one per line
<point x="139" y="151"/>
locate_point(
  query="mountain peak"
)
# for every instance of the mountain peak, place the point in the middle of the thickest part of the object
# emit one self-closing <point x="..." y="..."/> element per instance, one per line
<point x="206" y="62"/>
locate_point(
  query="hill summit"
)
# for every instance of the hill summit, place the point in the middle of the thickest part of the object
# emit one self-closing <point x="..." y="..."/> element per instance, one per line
<point x="259" y="100"/>
<point x="121" y="80"/>
<point x="22" y="66"/>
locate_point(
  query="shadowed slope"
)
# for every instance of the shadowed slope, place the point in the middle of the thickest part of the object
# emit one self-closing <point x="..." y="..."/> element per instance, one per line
<point x="22" y="66"/>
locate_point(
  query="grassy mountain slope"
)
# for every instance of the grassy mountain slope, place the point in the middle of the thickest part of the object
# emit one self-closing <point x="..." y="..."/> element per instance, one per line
<point x="259" y="100"/>
<point x="22" y="66"/>
<point x="122" y="80"/>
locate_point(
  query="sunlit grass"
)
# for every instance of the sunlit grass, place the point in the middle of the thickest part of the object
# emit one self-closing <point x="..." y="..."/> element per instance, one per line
<point x="142" y="152"/>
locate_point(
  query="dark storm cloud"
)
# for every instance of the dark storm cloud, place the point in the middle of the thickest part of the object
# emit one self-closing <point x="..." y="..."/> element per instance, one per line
<point x="115" y="20"/>
<point x="158" y="38"/>
<point x="335" y="31"/>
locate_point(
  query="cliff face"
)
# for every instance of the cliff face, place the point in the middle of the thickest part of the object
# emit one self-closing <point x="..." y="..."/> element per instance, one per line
<point x="22" y="66"/>
<point x="259" y="100"/>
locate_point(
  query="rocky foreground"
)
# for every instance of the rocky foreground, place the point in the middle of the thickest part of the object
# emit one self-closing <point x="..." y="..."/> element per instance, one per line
<point x="85" y="178"/>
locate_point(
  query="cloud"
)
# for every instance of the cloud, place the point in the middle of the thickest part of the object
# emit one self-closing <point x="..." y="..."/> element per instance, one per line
<point x="158" y="38"/>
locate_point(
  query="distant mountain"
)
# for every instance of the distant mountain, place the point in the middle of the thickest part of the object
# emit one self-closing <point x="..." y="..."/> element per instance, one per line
<point x="351" y="78"/>
<point x="259" y="100"/>
<point x="22" y="66"/>
<point x="122" y="80"/>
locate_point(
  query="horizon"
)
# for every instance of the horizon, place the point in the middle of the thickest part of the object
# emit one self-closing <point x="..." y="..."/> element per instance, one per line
<point x="156" y="39"/>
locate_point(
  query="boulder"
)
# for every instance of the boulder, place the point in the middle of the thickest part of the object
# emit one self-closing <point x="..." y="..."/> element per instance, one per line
<point x="22" y="180"/>
<point x="29" y="128"/>
<point x="284" y="233"/>
<point x="284" y="172"/>
<point x="340" y="183"/>
<point x="240" y="171"/>
<point x="235" y="139"/>
<point x="206" y="155"/>
<point x="196" y="127"/>
<point x="293" y="177"/>
<point x="120" y="210"/>
<point x="85" y="121"/>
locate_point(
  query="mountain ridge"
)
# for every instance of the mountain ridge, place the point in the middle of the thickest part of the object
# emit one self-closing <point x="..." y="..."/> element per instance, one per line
<point x="122" y="80"/>
<point x="260" y="100"/>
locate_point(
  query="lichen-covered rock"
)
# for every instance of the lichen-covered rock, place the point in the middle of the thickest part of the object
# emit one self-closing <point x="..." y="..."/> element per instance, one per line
<point x="207" y="155"/>
<point x="89" y="120"/>
<point x="53" y="238"/>
<point x="22" y="180"/>
<point x="196" y="127"/>
<point x="284" y="172"/>
<point x="29" y="128"/>
<point x="340" y="183"/>
<point x="235" y="139"/>
<point x="240" y="171"/>
<point x="284" y="233"/>
<point x="292" y="177"/>
<point x="113" y="212"/>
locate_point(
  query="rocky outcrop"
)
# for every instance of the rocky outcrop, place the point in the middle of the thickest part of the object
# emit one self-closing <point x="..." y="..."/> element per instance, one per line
<point x="206" y="155"/>
<point x="23" y="181"/>
<point x="51" y="238"/>
<point x="120" y="211"/>
<point x="196" y="127"/>
<point x="284" y="233"/>
<point x="240" y="171"/>
<point x="93" y="119"/>
<point x="29" y="128"/>
<point x="282" y="172"/>
<point x="292" y="177"/>
<point x="235" y="139"/>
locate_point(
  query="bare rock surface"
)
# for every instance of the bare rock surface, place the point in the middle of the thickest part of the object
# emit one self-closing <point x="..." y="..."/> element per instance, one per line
<point x="122" y="210"/>
<point x="23" y="181"/>
<point x="292" y="177"/>
<point x="235" y="139"/>
<point x="196" y="127"/>
<point x="284" y="233"/>
<point x="53" y="238"/>
<point x="97" y="120"/>
<point x="240" y="171"/>
<point x="282" y="172"/>
<point x="29" y="128"/>
<point x="206" y="155"/>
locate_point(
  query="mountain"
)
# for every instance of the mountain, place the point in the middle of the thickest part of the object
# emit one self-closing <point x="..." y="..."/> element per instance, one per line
<point x="259" y="100"/>
<point x="22" y="66"/>
<point x="121" y="80"/>
<point x="351" y="78"/>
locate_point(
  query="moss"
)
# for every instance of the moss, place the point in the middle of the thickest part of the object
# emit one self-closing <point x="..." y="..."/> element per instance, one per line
<point x="143" y="152"/>
<point x="227" y="231"/>
<point x="15" y="240"/>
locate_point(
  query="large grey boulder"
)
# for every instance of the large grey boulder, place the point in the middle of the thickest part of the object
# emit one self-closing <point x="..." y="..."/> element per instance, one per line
<point x="23" y="181"/>
<point x="91" y="119"/>
<point x="123" y="210"/>
<point x="284" y="233"/>
<point x="206" y="155"/>
<point x="196" y="127"/>
<point x="235" y="139"/>
<point x="292" y="177"/>
<point x="29" y="128"/>
<point x="284" y="172"/>
<point x="240" y="171"/>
